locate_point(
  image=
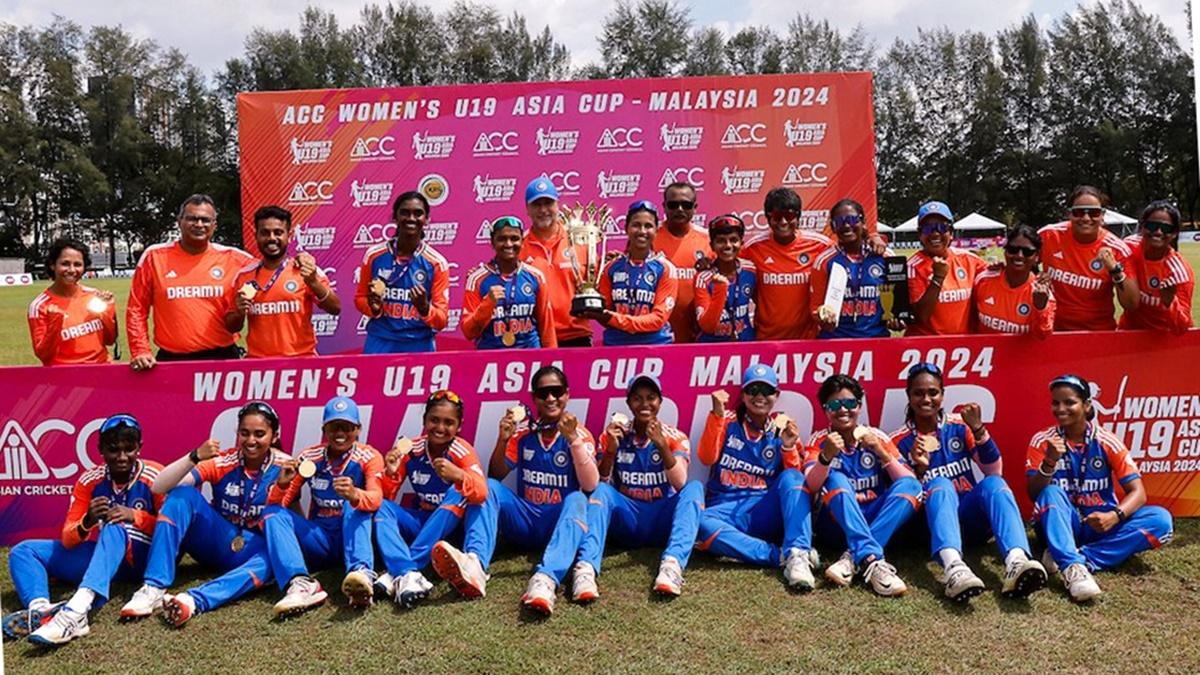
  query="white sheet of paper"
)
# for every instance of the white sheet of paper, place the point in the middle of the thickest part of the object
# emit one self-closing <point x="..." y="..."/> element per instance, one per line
<point x="838" y="278"/>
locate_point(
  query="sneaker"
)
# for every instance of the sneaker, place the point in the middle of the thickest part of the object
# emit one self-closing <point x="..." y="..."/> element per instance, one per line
<point x="18" y="625"/>
<point x="303" y="593"/>
<point x="1048" y="562"/>
<point x="66" y="625"/>
<point x="462" y="570"/>
<point x="842" y="572"/>
<point x="961" y="583"/>
<point x="1080" y="583"/>
<point x="883" y="580"/>
<point x="797" y="570"/>
<point x="359" y="588"/>
<point x="144" y="602"/>
<point x="583" y="586"/>
<point x="670" y="578"/>
<point x="539" y="594"/>
<point x="410" y="588"/>
<point x="1022" y="577"/>
<point x="385" y="585"/>
<point x="177" y="609"/>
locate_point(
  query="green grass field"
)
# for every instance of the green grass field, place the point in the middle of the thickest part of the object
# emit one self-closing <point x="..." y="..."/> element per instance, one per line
<point x="731" y="618"/>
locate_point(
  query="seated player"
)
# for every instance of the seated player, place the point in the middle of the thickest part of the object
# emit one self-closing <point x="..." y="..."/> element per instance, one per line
<point x="725" y="292"/>
<point x="639" y="286"/>
<point x="506" y="303"/>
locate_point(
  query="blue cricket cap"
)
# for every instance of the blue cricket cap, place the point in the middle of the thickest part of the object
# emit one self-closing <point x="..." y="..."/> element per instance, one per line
<point x="760" y="372"/>
<point x="540" y="187"/>
<point x="934" y="208"/>
<point x="341" y="408"/>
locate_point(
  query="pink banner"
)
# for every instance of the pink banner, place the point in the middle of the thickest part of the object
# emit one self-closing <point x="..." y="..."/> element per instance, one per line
<point x="1144" y="395"/>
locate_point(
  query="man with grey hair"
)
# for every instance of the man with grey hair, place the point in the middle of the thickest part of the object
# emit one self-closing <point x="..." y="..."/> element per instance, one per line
<point x="184" y="284"/>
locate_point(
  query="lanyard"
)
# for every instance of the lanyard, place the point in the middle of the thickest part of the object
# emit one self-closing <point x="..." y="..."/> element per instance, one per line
<point x="337" y="470"/>
<point x="121" y="496"/>
<point x="510" y="288"/>
<point x="398" y="271"/>
<point x="246" y="497"/>
<point x="274" y="277"/>
<point x="633" y="283"/>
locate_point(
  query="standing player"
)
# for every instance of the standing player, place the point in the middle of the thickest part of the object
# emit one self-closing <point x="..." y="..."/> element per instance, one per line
<point x="545" y="248"/>
<point x="1167" y="281"/>
<point x="726" y="291"/>
<point x="507" y="303"/>
<point x="70" y="322"/>
<point x="755" y="496"/>
<point x="555" y="458"/>
<point x="225" y="535"/>
<point x="1015" y="299"/>
<point x="784" y="262"/>
<point x="277" y="294"/>
<point x="940" y="276"/>
<point x="184" y="285"/>
<point x="867" y="491"/>
<point x="1070" y="472"/>
<point x="682" y="243"/>
<point x="861" y="313"/>
<point x="638" y="286"/>
<point x="404" y="285"/>
<point x="948" y="453"/>
<point x="114" y="502"/>
<point x="1086" y="264"/>
<point x="445" y="475"/>
<point x="343" y="477"/>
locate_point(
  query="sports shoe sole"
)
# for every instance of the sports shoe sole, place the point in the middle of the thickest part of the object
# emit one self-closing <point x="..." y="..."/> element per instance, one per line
<point x="965" y="595"/>
<point x="16" y="625"/>
<point x="836" y="580"/>
<point x="586" y="597"/>
<point x="410" y="600"/>
<point x="1029" y="582"/>
<point x="668" y="590"/>
<point x="176" y="614"/>
<point x="447" y="568"/>
<point x="47" y="643"/>
<point x="359" y="591"/>
<point x="539" y="605"/>
<point x="297" y="611"/>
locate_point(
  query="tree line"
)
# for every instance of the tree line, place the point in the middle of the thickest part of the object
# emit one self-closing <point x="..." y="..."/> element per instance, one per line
<point x="103" y="134"/>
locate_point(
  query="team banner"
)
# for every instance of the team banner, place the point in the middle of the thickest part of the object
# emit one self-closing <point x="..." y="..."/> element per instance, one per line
<point x="337" y="158"/>
<point x="1144" y="393"/>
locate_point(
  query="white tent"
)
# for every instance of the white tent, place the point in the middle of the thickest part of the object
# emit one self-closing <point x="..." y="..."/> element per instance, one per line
<point x="883" y="227"/>
<point x="1113" y="218"/>
<point x="909" y="225"/>
<point x="977" y="222"/>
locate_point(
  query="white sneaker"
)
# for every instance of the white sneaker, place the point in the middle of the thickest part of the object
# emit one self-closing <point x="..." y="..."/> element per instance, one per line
<point x="385" y="585"/>
<point x="359" y="588"/>
<point x="883" y="580"/>
<point x="797" y="570"/>
<point x="144" y="602"/>
<point x="670" y="577"/>
<point x="583" y="587"/>
<point x="411" y="588"/>
<point x="1022" y="576"/>
<point x="961" y="583"/>
<point x="842" y="572"/>
<point x="462" y="570"/>
<point x="303" y="594"/>
<point x="177" y="609"/>
<point x="66" y="625"/>
<point x="1048" y="562"/>
<point x="19" y="624"/>
<point x="539" y="594"/>
<point x="1080" y="583"/>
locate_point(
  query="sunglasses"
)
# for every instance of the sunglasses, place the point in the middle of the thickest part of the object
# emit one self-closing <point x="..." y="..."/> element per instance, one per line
<point x="759" y="389"/>
<point x="1026" y="251"/>
<point x="935" y="228"/>
<point x="841" y="404"/>
<point x="543" y="393"/>
<point x="1086" y="211"/>
<point x="507" y="221"/>
<point x="444" y="395"/>
<point x="680" y="204"/>
<point x="121" y="420"/>
<point x="783" y="215"/>
<point x="847" y="220"/>
<point x="1153" y="226"/>
<point x="642" y="205"/>
<point x="925" y="367"/>
<point x="1074" y="382"/>
<point x="260" y="408"/>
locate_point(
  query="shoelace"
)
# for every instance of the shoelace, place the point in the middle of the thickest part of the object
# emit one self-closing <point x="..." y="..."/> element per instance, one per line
<point x="1075" y="573"/>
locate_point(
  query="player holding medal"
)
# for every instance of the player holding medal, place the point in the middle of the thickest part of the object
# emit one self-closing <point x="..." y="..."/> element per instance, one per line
<point x="70" y="322"/>
<point x="404" y="285"/>
<point x="506" y="302"/>
<point x="754" y="492"/>
<point x="1070" y="470"/>
<point x="112" y="501"/>
<point x="222" y="535"/>
<point x="445" y="475"/>
<point x="947" y="452"/>
<point x="866" y="489"/>
<point x="860" y="313"/>
<point x="343" y="480"/>
<point x="725" y="292"/>
<point x="639" y="286"/>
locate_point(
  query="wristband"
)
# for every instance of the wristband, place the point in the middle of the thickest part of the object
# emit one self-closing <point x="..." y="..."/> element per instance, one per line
<point x="325" y="297"/>
<point x="978" y="433"/>
<point x="1121" y="517"/>
<point x="1117" y="271"/>
<point x="1042" y="470"/>
<point x="935" y="282"/>
<point x="195" y="458"/>
<point x="824" y="462"/>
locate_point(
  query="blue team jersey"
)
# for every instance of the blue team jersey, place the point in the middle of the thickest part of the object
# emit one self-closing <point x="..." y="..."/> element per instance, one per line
<point x="737" y="316"/>
<point x="545" y="473"/>
<point x="638" y="472"/>
<point x="237" y="494"/>
<point x="517" y="313"/>
<point x="858" y="464"/>
<point x="637" y="291"/>
<point x="362" y="464"/>
<point x="956" y="455"/>
<point x="1086" y="472"/>
<point x="399" y="320"/>
<point x="748" y="461"/>
<point x="862" y="310"/>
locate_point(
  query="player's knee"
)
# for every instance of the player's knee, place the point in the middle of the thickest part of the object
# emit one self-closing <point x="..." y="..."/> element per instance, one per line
<point x="1160" y="523"/>
<point x="790" y="478"/>
<point x="938" y="486"/>
<point x="692" y="490"/>
<point x="910" y="486"/>
<point x="181" y="496"/>
<point x="837" y="481"/>
<point x="1051" y="494"/>
<point x="25" y="550"/>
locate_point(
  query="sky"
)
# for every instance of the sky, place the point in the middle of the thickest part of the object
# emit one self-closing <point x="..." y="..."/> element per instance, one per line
<point x="212" y="31"/>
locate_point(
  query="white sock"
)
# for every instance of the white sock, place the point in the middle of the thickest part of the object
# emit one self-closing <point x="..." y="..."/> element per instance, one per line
<point x="1015" y="554"/>
<point x="39" y="603"/>
<point x="948" y="557"/>
<point x="81" y="602"/>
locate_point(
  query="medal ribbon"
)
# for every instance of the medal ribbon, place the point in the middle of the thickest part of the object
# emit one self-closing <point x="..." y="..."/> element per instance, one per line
<point x="246" y="497"/>
<point x="274" y="277"/>
<point x="121" y="496"/>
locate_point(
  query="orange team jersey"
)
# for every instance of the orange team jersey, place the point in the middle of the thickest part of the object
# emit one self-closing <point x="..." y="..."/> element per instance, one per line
<point x="782" y="310"/>
<point x="187" y="294"/>
<point x="952" y="313"/>
<point x="681" y="251"/>
<point x="429" y="489"/>
<point x="74" y="336"/>
<point x="136" y="495"/>
<point x="1153" y="276"/>
<point x="1000" y="308"/>
<point x="279" y="322"/>
<point x="548" y="255"/>
<point x="1081" y="285"/>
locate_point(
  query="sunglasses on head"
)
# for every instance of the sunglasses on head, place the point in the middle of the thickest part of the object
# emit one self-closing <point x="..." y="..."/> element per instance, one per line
<point x="1026" y="251"/>
<point x="1086" y="211"/>
<point x="444" y="395"/>
<point x="260" y="408"/>
<point x="1153" y="226"/>
<point x="543" y="393"/>
<point x="938" y="227"/>
<point x="840" y="404"/>
<point x="680" y="204"/>
<point x="926" y="367"/>
<point x="642" y="205"/>
<point x="759" y="389"/>
<point x="121" y="420"/>
<point x="847" y="220"/>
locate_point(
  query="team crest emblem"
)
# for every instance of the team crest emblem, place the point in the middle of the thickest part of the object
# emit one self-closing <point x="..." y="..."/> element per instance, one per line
<point x="1098" y="463"/>
<point x="769" y="454"/>
<point x="867" y="459"/>
<point x="560" y="459"/>
<point x="649" y="278"/>
<point x="419" y="276"/>
<point x="956" y="445"/>
<point x="216" y="273"/>
<point x="339" y="406"/>
<point x="803" y="258"/>
<point x="139" y="505"/>
<point x="1023" y="309"/>
<point x="960" y="273"/>
<point x="655" y="458"/>
<point x="1155" y="282"/>
<point x="527" y="289"/>
<point x="291" y="286"/>
<point x="1096" y="265"/>
<point x="875" y="271"/>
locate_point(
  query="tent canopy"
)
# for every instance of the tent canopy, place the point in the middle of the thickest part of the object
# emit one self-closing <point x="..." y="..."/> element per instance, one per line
<point x="883" y="227"/>
<point x="976" y="222"/>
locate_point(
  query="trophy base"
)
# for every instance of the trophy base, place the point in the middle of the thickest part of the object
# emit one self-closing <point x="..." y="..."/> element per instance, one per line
<point x="587" y="303"/>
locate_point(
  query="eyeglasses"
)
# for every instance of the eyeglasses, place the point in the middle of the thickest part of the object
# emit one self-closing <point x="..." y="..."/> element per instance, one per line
<point x="1153" y="226"/>
<point x="121" y="420"/>
<point x="203" y="220"/>
<point x="847" y="221"/>
<point x="680" y="204"/>
<point x="936" y="227"/>
<point x="841" y="404"/>
<point x="925" y="367"/>
<point x="759" y="389"/>
<point x="444" y="395"/>
<point x="543" y="393"/>
<point x="1026" y="251"/>
<point x="1086" y="211"/>
<point x="788" y="215"/>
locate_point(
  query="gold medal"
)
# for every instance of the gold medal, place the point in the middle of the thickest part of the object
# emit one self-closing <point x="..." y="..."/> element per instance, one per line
<point x="96" y="305"/>
<point x="780" y="422"/>
<point x="509" y="338"/>
<point x="307" y="469"/>
<point x="517" y="413"/>
<point x="248" y="291"/>
<point x="620" y="419"/>
<point x="403" y="446"/>
<point x="237" y="544"/>
<point x="378" y="287"/>
<point x="860" y="432"/>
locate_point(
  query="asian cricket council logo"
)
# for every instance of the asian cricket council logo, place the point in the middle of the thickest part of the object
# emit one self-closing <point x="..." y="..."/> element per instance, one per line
<point x="312" y="238"/>
<point x="429" y="146"/>
<point x="496" y="144"/>
<point x="620" y="139"/>
<point x="742" y="181"/>
<point x="21" y="460"/>
<point x="680" y="138"/>
<point x="373" y="148"/>
<point x="488" y="189"/>
<point x="618" y="184"/>
<point x="566" y="182"/>
<point x="310" y="152"/>
<point x="745" y="136"/>
<point x="693" y="176"/>
<point x="806" y="175"/>
<point x="551" y="142"/>
<point x="435" y="188"/>
<point x="370" y="194"/>
<point x="799" y="134"/>
<point x="313" y="192"/>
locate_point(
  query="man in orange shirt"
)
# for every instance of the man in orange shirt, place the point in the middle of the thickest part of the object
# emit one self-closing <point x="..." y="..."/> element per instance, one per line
<point x="784" y="262"/>
<point x="277" y="294"/>
<point x="941" y="277"/>
<point x="184" y="284"/>
<point x="682" y="244"/>
<point x="545" y="248"/>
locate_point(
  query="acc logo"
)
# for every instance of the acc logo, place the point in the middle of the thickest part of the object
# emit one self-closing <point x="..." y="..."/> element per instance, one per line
<point x="432" y="147"/>
<point x="1023" y="309"/>
<point x="312" y="192"/>
<point x="374" y="233"/>
<point x="693" y="176"/>
<point x="618" y="184"/>
<point x="496" y="144"/>
<point x="310" y="152"/>
<point x="807" y="175"/>
<point x="454" y="276"/>
<point x="754" y="220"/>
<point x="867" y="459"/>
<point x="435" y="188"/>
<point x="741" y="181"/>
<point x="560" y="459"/>
<point x="551" y="142"/>
<point x="614" y="227"/>
<point x="370" y="194"/>
<point x="680" y="138"/>
<point x="291" y="286"/>
<point x="1096" y="265"/>
<point x="745" y="136"/>
<point x="566" y="182"/>
<point x="216" y="273"/>
<point x="803" y="133"/>
<point x="488" y="189"/>
<point x="373" y="148"/>
<point x="620" y="139"/>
